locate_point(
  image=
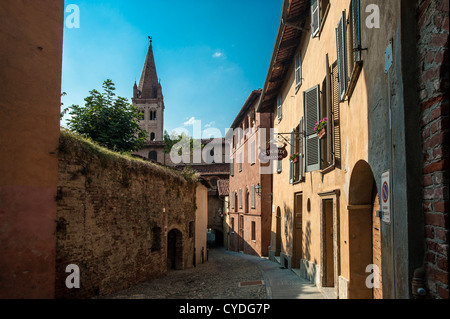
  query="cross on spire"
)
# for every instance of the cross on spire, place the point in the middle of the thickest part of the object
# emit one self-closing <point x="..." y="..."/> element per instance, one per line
<point x="151" y="39"/>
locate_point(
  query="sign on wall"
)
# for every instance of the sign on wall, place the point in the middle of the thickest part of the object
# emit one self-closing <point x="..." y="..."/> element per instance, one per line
<point x="386" y="196"/>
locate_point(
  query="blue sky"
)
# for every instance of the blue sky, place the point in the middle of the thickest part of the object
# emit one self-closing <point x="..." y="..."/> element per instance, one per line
<point x="209" y="54"/>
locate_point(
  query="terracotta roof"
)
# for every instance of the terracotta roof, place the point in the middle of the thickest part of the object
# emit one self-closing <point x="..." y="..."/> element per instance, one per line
<point x="223" y="186"/>
<point x="293" y="22"/>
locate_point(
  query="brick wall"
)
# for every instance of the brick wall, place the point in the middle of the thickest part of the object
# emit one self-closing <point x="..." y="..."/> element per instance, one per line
<point x="433" y="79"/>
<point x="107" y="208"/>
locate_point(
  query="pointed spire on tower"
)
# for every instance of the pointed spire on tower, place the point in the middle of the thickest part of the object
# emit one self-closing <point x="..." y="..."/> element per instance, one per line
<point x="149" y="85"/>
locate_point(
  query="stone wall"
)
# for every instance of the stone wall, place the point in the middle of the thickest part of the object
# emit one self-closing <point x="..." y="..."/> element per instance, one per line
<point x="433" y="77"/>
<point x="114" y="216"/>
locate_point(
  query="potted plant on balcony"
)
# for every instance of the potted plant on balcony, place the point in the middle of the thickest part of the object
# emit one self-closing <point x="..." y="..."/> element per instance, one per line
<point x="294" y="157"/>
<point x="321" y="128"/>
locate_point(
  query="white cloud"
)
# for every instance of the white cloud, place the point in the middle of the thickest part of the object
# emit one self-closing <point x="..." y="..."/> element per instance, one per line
<point x="210" y="124"/>
<point x="217" y="54"/>
<point x="191" y="121"/>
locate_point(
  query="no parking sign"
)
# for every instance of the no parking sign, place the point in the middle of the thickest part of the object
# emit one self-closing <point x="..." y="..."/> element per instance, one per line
<point x="386" y="197"/>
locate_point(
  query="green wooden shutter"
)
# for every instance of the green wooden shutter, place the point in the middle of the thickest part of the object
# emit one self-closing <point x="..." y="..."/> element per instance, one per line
<point x="298" y="70"/>
<point x="341" y="44"/>
<point x="356" y="21"/>
<point x="301" y="149"/>
<point x="311" y="100"/>
<point x="291" y="166"/>
<point x="315" y="17"/>
<point x="330" y="128"/>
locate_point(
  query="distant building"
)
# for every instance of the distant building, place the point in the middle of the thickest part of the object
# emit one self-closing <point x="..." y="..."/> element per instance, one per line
<point x="213" y="169"/>
<point x="250" y="191"/>
<point x="148" y="98"/>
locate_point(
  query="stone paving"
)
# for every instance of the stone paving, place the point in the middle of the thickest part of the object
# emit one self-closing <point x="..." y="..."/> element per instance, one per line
<point x="218" y="278"/>
<point x="226" y="275"/>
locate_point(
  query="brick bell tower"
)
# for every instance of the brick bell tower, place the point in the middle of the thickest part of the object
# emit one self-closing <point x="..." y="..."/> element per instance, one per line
<point x="148" y="98"/>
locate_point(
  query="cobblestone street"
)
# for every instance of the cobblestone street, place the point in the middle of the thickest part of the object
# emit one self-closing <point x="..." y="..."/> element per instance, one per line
<point x="218" y="278"/>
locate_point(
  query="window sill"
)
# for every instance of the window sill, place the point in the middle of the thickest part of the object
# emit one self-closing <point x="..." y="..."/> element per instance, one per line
<point x="328" y="169"/>
<point x="298" y="182"/>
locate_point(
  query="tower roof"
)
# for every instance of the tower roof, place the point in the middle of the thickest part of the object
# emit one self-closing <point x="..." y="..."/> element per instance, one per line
<point x="149" y="85"/>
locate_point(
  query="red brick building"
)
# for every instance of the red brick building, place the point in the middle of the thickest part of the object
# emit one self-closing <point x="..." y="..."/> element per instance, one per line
<point x="433" y="64"/>
<point x="249" y="190"/>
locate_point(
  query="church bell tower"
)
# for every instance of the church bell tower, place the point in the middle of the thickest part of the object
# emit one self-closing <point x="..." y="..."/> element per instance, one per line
<point x="148" y="98"/>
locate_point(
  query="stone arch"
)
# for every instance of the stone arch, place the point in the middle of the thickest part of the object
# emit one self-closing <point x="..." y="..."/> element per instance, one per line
<point x="175" y="249"/>
<point x="361" y="220"/>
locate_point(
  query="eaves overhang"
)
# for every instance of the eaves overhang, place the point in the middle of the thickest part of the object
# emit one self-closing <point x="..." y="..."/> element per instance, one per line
<point x="292" y="24"/>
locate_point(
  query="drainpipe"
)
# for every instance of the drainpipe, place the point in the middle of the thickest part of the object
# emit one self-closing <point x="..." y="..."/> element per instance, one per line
<point x="389" y="61"/>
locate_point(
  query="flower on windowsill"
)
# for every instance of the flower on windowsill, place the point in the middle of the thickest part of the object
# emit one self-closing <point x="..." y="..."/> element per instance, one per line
<point x="321" y="125"/>
<point x="294" y="157"/>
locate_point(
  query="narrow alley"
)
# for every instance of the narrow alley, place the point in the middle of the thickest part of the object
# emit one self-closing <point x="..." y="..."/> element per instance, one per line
<point x="226" y="275"/>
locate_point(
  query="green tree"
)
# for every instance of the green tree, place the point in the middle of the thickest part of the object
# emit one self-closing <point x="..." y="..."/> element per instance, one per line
<point x="111" y="122"/>
<point x="171" y="140"/>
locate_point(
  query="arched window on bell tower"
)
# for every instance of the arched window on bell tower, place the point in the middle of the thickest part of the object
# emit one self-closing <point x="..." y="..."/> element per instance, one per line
<point x="152" y="136"/>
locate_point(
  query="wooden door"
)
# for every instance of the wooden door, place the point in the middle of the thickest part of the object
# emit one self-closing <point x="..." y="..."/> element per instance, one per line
<point x="297" y="238"/>
<point x="241" y="233"/>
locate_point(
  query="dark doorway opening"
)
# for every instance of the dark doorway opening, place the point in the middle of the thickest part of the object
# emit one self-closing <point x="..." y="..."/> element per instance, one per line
<point x="174" y="250"/>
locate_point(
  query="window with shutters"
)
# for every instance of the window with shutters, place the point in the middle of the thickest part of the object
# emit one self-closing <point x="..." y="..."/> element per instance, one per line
<point x="253" y="153"/>
<point x="330" y="145"/>
<point x="298" y="71"/>
<point x="311" y="105"/>
<point x="341" y="45"/>
<point x="279" y="108"/>
<point x="319" y="12"/>
<point x="240" y="162"/>
<point x="355" y="49"/>
<point x="327" y="159"/>
<point x="298" y="167"/>
<point x="349" y="49"/>
<point x="232" y="200"/>
<point x="252" y="198"/>
<point x="240" y="198"/>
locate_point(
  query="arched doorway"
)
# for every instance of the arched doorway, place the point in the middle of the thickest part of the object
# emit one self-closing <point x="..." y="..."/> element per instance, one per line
<point x="175" y="250"/>
<point x="364" y="235"/>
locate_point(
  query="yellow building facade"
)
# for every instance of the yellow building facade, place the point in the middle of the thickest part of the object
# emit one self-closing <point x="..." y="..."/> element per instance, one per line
<point x="326" y="220"/>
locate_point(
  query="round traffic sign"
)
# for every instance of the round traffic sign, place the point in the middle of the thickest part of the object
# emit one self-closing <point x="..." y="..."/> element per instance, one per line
<point x="385" y="192"/>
